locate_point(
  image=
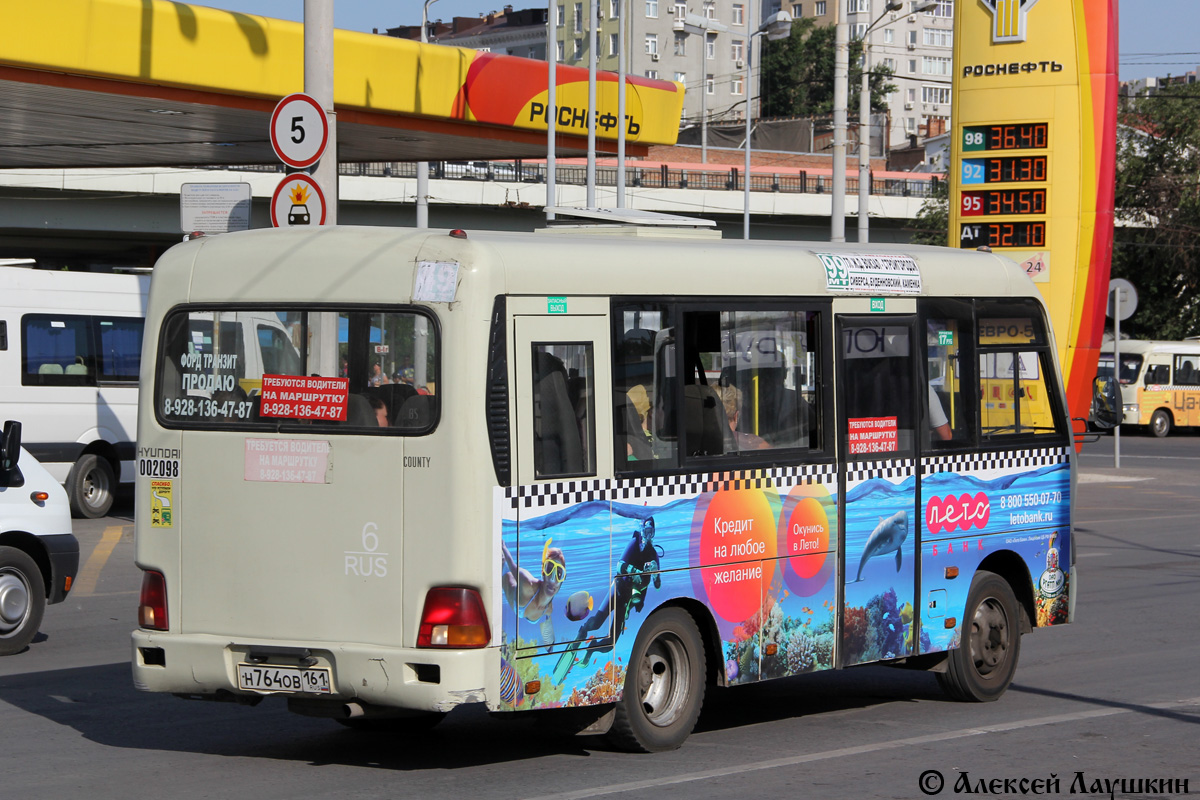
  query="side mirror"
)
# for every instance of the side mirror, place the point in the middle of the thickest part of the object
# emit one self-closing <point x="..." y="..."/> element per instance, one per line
<point x="1107" y="410"/>
<point x="10" y="445"/>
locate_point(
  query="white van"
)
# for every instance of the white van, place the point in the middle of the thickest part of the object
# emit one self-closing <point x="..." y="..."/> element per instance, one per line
<point x="39" y="556"/>
<point x="70" y="350"/>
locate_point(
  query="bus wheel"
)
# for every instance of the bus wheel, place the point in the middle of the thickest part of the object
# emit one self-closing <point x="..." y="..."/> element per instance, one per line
<point x="1160" y="423"/>
<point x="22" y="600"/>
<point x="90" y="486"/>
<point x="664" y="686"/>
<point x="984" y="663"/>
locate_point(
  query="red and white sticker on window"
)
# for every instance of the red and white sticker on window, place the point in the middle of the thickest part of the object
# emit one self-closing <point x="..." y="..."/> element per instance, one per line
<point x="303" y="397"/>
<point x="873" y="435"/>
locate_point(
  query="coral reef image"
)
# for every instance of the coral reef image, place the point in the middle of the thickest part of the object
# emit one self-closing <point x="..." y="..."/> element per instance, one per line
<point x="604" y="686"/>
<point x="880" y="630"/>
<point x="783" y="645"/>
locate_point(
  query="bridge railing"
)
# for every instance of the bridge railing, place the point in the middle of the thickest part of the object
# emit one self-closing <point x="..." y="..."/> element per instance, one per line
<point x="648" y="175"/>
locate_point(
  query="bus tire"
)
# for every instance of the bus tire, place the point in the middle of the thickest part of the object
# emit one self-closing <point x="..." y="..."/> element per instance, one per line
<point x="1160" y="423"/>
<point x="980" y="669"/>
<point x="22" y="600"/>
<point x="664" y="686"/>
<point x="90" y="486"/>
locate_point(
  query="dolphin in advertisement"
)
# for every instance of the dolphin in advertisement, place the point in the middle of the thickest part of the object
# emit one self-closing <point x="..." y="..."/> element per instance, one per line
<point x="887" y="537"/>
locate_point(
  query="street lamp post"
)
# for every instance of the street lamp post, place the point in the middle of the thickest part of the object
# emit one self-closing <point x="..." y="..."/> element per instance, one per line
<point x="551" y="107"/>
<point x="423" y="166"/>
<point x="864" y="117"/>
<point x="841" y="75"/>
<point x="779" y="26"/>
<point x="694" y="23"/>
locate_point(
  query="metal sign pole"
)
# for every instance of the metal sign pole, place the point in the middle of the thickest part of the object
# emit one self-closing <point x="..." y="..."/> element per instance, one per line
<point x="1117" y="376"/>
<point x="318" y="82"/>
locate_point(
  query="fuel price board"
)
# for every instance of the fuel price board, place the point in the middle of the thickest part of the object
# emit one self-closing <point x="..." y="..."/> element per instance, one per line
<point x="1033" y="154"/>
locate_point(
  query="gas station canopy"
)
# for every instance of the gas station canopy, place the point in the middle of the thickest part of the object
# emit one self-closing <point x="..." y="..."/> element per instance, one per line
<point x="124" y="83"/>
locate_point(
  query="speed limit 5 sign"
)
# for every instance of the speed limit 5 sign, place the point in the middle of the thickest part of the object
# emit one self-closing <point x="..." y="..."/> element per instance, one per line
<point x="299" y="131"/>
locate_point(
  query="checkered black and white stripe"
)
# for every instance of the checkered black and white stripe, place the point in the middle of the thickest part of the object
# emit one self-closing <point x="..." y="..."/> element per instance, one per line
<point x="571" y="492"/>
<point x="1007" y="460"/>
<point x="890" y="468"/>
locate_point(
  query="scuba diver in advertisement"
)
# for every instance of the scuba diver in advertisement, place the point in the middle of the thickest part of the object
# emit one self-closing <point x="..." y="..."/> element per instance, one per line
<point x="638" y="569"/>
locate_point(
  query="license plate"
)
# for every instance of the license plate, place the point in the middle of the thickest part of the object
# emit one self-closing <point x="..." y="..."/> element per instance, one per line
<point x="266" y="678"/>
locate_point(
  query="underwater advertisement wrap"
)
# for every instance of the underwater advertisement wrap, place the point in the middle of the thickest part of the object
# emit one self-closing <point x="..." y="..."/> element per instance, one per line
<point x="880" y="580"/>
<point x="977" y="505"/>
<point x="584" y="563"/>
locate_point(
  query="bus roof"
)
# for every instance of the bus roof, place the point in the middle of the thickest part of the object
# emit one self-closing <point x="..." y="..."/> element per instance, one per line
<point x="1143" y="346"/>
<point x="364" y="264"/>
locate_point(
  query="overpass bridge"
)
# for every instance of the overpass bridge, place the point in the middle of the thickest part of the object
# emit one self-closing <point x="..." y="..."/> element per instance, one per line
<point x="108" y="106"/>
<point x="127" y="217"/>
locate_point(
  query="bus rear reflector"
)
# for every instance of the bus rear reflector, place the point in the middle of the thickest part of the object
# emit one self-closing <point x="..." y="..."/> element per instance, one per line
<point x="152" y="608"/>
<point x="453" y="617"/>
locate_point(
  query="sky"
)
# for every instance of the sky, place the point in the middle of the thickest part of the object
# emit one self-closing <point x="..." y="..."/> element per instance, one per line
<point x="1157" y="37"/>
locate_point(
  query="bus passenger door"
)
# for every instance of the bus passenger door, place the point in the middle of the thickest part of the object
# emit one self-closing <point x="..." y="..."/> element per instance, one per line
<point x="558" y="578"/>
<point x="877" y="421"/>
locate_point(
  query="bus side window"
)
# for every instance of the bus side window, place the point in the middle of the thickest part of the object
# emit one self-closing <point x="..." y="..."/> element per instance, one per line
<point x="1158" y="375"/>
<point x="564" y="401"/>
<point x="1186" y="373"/>
<point x="644" y="387"/>
<point x="1016" y="375"/>
<point x="949" y="362"/>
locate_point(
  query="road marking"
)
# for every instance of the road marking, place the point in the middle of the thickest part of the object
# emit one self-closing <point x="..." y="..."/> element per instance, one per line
<point x="85" y="582"/>
<point x="755" y="766"/>
<point x="1091" y="555"/>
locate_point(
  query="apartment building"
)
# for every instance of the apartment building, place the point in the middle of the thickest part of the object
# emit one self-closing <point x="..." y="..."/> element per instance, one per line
<point x="513" y="33"/>
<point x="710" y="62"/>
<point x="917" y="47"/>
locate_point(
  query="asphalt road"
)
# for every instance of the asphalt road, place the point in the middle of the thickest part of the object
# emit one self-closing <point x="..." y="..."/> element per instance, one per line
<point x="1115" y="695"/>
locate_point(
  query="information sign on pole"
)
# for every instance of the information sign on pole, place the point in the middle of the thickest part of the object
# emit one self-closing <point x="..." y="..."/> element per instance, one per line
<point x="214" y="207"/>
<point x="299" y="131"/>
<point x="298" y="201"/>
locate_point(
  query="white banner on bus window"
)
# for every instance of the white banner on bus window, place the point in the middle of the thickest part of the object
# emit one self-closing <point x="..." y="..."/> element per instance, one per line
<point x="871" y="274"/>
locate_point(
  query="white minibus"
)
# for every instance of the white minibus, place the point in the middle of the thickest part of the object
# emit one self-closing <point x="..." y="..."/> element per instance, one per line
<point x="1160" y="382"/>
<point x="70" y="347"/>
<point x="600" y="472"/>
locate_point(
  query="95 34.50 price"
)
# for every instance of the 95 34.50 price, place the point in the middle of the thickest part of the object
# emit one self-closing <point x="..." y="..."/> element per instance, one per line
<point x="1002" y="202"/>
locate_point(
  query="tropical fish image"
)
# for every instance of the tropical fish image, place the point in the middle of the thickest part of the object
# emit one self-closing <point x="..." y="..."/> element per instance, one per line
<point x="579" y="605"/>
<point x="510" y="684"/>
<point x="887" y="537"/>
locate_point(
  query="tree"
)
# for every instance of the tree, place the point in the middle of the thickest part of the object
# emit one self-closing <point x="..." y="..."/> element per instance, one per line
<point x="1157" y="239"/>
<point x="932" y="224"/>
<point x="797" y="73"/>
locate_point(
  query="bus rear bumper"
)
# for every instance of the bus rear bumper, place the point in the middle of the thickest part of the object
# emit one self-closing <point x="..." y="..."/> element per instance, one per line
<point x="206" y="666"/>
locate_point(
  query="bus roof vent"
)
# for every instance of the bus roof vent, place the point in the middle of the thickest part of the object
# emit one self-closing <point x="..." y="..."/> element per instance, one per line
<point x="629" y="222"/>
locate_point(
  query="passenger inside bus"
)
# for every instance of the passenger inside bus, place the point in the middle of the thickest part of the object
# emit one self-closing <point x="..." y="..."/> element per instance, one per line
<point x="731" y="398"/>
<point x="380" y="409"/>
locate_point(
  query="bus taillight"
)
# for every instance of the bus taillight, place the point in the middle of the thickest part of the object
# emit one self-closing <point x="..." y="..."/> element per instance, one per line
<point x="152" y="608"/>
<point x="453" y="617"/>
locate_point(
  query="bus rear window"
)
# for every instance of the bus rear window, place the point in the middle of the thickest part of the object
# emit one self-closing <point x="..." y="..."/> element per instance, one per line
<point x="353" y="371"/>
